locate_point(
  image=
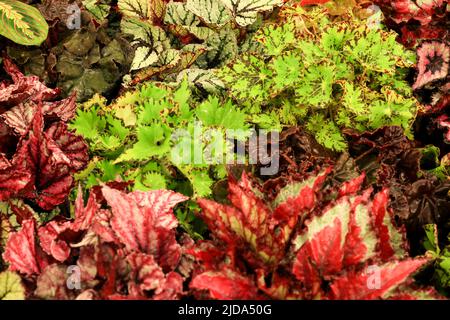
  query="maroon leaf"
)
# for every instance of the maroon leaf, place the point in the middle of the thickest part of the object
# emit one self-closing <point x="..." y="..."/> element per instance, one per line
<point x="51" y="167"/>
<point x="74" y="147"/>
<point x="12" y="180"/>
<point x="63" y="109"/>
<point x="20" y="117"/>
<point x="444" y="122"/>
<point x="39" y="165"/>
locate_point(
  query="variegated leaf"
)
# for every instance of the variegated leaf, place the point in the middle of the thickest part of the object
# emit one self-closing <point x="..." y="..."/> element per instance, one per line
<point x="135" y="8"/>
<point x="245" y="11"/>
<point x="149" y="41"/>
<point x="210" y="11"/>
<point x="222" y="46"/>
<point x="22" y="23"/>
<point x="205" y="79"/>
<point x="178" y="14"/>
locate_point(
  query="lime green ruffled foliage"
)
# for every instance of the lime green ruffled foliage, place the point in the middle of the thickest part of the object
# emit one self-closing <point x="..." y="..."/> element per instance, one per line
<point x="327" y="75"/>
<point x="145" y="138"/>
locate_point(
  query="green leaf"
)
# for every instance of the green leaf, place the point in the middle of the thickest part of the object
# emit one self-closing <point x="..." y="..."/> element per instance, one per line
<point x="431" y="238"/>
<point x="154" y="181"/>
<point x="213" y="113"/>
<point x="288" y="70"/>
<point x="22" y="23"/>
<point x="182" y="97"/>
<point x="116" y="128"/>
<point x="353" y="100"/>
<point x="109" y="142"/>
<point x="99" y="10"/>
<point x="201" y="183"/>
<point x="151" y="111"/>
<point x="152" y="141"/>
<point x="11" y="287"/>
<point x="109" y="169"/>
<point x="88" y="123"/>
<point x="326" y="133"/>
<point x="277" y="38"/>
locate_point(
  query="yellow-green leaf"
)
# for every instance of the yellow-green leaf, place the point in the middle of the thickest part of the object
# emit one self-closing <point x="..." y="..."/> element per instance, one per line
<point x="11" y="287"/>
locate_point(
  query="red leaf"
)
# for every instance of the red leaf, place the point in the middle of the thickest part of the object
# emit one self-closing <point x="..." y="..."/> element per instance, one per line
<point x="74" y="147"/>
<point x="20" y="251"/>
<point x="63" y="109"/>
<point x="352" y="186"/>
<point x="405" y="10"/>
<point x="87" y="261"/>
<point x="225" y="285"/>
<point x="384" y="228"/>
<point x="209" y="255"/>
<point x="20" y="117"/>
<point x="102" y="228"/>
<point x="84" y="215"/>
<point x="168" y="253"/>
<point x="24" y="87"/>
<point x="279" y="285"/>
<point x="142" y="228"/>
<point x="48" y="238"/>
<point x="50" y="166"/>
<point x="172" y="288"/>
<point x="322" y="253"/>
<point x="145" y="272"/>
<point x="12" y="180"/>
<point x="339" y="237"/>
<point x="21" y="211"/>
<point x="42" y="166"/>
<point x="213" y="217"/>
<point x="360" y="241"/>
<point x="375" y="283"/>
<point x="161" y="202"/>
<point x="52" y="283"/>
